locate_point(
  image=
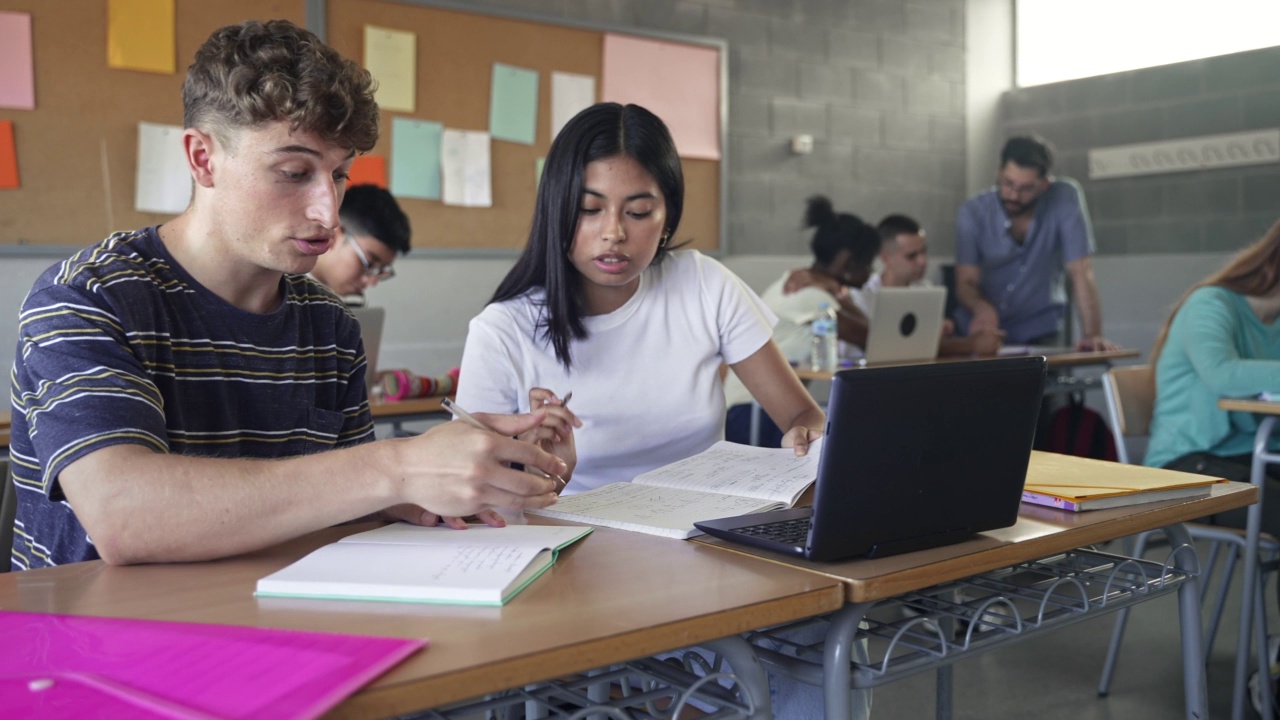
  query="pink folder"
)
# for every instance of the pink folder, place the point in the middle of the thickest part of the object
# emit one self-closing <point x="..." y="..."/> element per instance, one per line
<point x="72" y="666"/>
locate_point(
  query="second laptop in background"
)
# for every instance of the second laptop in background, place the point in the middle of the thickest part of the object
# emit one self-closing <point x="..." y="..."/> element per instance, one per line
<point x="906" y="324"/>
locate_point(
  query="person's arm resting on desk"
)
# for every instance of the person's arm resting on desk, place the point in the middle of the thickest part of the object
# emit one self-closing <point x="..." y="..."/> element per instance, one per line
<point x="1085" y="288"/>
<point x="969" y="294"/>
<point x="144" y="506"/>
<point x="773" y="383"/>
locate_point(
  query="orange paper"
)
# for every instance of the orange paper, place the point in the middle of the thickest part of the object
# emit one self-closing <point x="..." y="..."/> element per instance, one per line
<point x="8" y="157"/>
<point x="368" y="170"/>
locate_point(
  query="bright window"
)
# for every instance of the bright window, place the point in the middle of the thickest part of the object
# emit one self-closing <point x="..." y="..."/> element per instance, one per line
<point x="1067" y="39"/>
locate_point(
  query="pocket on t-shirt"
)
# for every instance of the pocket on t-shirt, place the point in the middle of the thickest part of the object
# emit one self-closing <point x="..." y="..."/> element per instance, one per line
<point x="322" y="427"/>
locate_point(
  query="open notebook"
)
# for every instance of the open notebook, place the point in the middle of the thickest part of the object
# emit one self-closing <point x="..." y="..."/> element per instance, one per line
<point x="408" y="563"/>
<point x="725" y="479"/>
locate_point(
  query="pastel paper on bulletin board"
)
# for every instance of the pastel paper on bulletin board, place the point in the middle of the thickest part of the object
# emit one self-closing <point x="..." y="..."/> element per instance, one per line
<point x="368" y="170"/>
<point x="140" y="35"/>
<point x="8" y="157"/>
<point x="678" y="83"/>
<point x="391" y="57"/>
<point x="513" y="104"/>
<point x="415" y="158"/>
<point x="17" y="76"/>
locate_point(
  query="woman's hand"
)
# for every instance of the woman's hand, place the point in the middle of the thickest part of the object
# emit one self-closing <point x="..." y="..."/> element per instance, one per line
<point x="555" y="433"/>
<point x="801" y="437"/>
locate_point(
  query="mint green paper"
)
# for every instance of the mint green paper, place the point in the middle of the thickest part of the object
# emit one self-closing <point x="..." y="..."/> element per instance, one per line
<point x="513" y="104"/>
<point x="415" y="158"/>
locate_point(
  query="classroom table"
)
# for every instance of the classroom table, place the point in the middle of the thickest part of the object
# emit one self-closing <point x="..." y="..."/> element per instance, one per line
<point x="1252" y="604"/>
<point x="398" y="412"/>
<point x="1040" y="532"/>
<point x="1055" y="358"/>
<point x="5" y="423"/>
<point x="609" y="598"/>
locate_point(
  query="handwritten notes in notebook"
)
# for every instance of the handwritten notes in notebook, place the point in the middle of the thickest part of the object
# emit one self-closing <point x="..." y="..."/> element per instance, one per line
<point x="726" y="479"/>
<point x="408" y="563"/>
<point x="70" y="666"/>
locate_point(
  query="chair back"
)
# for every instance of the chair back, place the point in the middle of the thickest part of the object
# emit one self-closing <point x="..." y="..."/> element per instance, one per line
<point x="1131" y="398"/>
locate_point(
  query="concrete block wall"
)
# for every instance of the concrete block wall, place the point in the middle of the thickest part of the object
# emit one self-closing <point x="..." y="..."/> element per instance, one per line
<point x="879" y="84"/>
<point x="1210" y="211"/>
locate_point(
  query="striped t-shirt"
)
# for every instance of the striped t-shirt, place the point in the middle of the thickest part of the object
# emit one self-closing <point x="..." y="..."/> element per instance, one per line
<point x="119" y="344"/>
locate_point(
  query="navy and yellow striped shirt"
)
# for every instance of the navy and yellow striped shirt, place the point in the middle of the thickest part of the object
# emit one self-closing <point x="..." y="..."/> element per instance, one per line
<point x="119" y="344"/>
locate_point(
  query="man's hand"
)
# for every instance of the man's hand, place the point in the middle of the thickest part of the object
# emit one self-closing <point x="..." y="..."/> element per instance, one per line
<point x="1096" y="342"/>
<point x="986" y="342"/>
<point x="985" y="320"/>
<point x="455" y="470"/>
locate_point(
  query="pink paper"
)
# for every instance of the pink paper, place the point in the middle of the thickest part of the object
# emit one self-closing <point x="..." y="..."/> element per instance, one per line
<point x="144" y="668"/>
<point x="678" y="83"/>
<point x="17" y="76"/>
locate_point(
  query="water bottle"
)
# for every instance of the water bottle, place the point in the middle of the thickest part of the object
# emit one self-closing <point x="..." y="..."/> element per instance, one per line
<point x="824" y="354"/>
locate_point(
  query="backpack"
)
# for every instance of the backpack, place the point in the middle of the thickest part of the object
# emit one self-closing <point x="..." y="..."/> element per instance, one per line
<point x="1081" y="431"/>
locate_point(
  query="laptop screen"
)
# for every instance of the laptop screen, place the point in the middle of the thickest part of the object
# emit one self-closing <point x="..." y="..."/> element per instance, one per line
<point x="371" y="320"/>
<point x="923" y="451"/>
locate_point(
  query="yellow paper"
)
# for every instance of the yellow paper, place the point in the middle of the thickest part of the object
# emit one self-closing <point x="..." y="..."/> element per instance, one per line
<point x="391" y="57"/>
<point x="140" y="35"/>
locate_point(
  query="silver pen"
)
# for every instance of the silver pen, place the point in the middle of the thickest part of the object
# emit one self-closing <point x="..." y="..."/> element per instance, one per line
<point x="471" y="420"/>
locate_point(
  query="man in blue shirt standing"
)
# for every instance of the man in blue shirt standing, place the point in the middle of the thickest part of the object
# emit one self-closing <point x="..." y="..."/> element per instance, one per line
<point x="1013" y="243"/>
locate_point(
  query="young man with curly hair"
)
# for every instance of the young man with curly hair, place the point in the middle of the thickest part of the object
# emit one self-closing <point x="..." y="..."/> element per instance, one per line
<point x="185" y="391"/>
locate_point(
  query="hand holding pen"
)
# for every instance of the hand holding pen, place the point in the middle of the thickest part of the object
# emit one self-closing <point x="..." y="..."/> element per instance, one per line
<point x="471" y="420"/>
<point x="555" y="433"/>
<point x="452" y="471"/>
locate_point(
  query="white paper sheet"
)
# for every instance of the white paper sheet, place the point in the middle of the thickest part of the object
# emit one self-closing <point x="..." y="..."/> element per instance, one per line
<point x="163" y="181"/>
<point x="465" y="168"/>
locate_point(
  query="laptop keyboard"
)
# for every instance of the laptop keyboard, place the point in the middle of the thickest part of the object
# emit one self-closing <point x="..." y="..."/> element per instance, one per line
<point x="787" y="532"/>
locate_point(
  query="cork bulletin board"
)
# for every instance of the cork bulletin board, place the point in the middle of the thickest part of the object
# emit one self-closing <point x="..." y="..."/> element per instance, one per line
<point x="456" y="50"/>
<point x="77" y="150"/>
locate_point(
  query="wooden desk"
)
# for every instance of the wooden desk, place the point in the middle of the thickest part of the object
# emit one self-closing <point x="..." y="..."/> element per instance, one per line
<point x="398" y="412"/>
<point x="612" y="597"/>
<point x="1040" y="532"/>
<point x="5" y="423"/>
<point x="1066" y="358"/>
<point x="1251" y="595"/>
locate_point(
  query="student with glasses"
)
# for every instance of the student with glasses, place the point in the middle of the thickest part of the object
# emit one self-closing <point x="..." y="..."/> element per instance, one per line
<point x="374" y="232"/>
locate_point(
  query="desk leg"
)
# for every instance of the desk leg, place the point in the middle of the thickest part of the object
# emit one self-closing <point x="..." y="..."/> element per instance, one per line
<point x="753" y="680"/>
<point x="837" y="668"/>
<point x="1193" y="675"/>
<point x="944" y="693"/>
<point x="1253" y="527"/>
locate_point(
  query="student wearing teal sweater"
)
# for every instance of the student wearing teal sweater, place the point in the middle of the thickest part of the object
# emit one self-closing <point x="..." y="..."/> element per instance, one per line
<point x="1222" y="340"/>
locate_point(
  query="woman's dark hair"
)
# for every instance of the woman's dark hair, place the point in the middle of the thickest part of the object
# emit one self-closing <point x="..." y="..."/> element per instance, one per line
<point x="835" y="232"/>
<point x="601" y="131"/>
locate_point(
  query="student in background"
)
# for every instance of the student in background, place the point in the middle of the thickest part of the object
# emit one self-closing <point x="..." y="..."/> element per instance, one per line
<point x="374" y="231"/>
<point x="1013" y="243"/>
<point x="601" y="305"/>
<point x="1222" y="340"/>
<point x="904" y="256"/>
<point x="844" y="249"/>
<point x="163" y="375"/>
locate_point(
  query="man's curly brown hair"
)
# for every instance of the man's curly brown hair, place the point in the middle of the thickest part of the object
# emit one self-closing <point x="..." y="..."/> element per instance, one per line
<point x="253" y="73"/>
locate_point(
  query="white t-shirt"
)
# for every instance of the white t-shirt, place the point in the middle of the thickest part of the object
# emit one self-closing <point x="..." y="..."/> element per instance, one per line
<point x="865" y="297"/>
<point x="645" y="381"/>
<point x="793" y="333"/>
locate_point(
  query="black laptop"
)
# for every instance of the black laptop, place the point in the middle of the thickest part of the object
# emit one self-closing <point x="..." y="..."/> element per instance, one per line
<point x="914" y="457"/>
